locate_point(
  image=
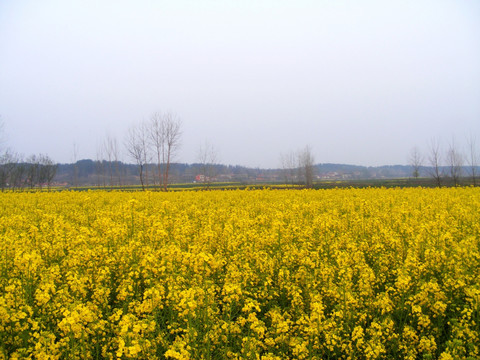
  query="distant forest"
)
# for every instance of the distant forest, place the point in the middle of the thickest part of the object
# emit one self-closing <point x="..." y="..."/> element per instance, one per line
<point x="153" y="145"/>
<point x="107" y="174"/>
<point x="41" y="172"/>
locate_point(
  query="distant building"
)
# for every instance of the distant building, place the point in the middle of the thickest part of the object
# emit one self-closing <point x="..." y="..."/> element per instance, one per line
<point x="203" y="178"/>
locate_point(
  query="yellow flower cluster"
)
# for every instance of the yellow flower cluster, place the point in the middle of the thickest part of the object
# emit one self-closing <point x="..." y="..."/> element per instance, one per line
<point x="241" y="274"/>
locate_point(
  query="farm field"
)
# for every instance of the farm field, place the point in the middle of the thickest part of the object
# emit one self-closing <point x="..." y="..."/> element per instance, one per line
<point x="243" y="274"/>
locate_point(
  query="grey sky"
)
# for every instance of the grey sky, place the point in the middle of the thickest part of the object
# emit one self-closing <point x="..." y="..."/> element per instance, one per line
<point x="361" y="82"/>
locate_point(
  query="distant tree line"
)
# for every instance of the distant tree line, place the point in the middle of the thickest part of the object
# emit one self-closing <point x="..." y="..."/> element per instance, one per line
<point x="17" y="172"/>
<point x="96" y="173"/>
<point x="88" y="173"/>
<point x="447" y="166"/>
<point x="298" y="167"/>
<point x="153" y="146"/>
<point x="35" y="171"/>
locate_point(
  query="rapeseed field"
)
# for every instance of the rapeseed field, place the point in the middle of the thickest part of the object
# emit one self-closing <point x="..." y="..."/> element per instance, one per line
<point x="263" y="274"/>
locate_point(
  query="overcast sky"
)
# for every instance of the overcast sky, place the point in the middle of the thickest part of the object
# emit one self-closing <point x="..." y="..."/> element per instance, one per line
<point x="361" y="82"/>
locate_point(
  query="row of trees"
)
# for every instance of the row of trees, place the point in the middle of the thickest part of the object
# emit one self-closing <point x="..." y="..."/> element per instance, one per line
<point x="449" y="164"/>
<point x="153" y="145"/>
<point x="298" y="166"/>
<point x="19" y="173"/>
<point x="157" y="141"/>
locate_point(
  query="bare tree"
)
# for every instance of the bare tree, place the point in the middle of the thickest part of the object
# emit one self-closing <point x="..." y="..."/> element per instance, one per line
<point x="207" y="158"/>
<point x="100" y="166"/>
<point x="455" y="162"/>
<point x="143" y="137"/>
<point x="7" y="160"/>
<point x="113" y="156"/>
<point x="473" y="158"/>
<point x="7" y="166"/>
<point x="165" y="136"/>
<point x="32" y="173"/>
<point x="17" y="175"/>
<point x="435" y="160"/>
<point x="116" y="159"/>
<point x="415" y="160"/>
<point x="306" y="165"/>
<point x="107" y="145"/>
<point x="75" y="165"/>
<point x="173" y="133"/>
<point x="289" y="162"/>
<point x="157" y="140"/>
<point x="136" y="145"/>
<point x="42" y="171"/>
<point x="48" y="170"/>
